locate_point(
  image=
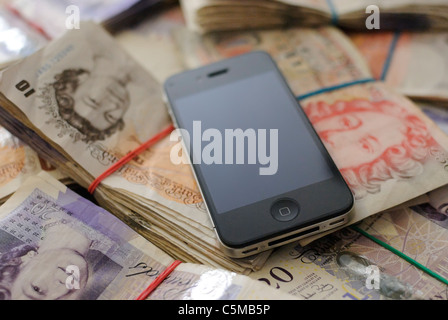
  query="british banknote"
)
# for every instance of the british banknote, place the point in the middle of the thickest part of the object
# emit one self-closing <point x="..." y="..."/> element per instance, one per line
<point x="387" y="149"/>
<point x="18" y="161"/>
<point x="347" y="265"/>
<point x="206" y="16"/>
<point x="85" y="103"/>
<point x="56" y="245"/>
<point x="413" y="63"/>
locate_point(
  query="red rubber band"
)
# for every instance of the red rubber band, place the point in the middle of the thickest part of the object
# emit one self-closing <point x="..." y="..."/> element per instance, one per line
<point x="158" y="280"/>
<point x="117" y="165"/>
<point x="27" y="21"/>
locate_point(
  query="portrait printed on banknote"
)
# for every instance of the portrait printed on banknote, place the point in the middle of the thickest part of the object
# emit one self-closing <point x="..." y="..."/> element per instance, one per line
<point x="368" y="154"/>
<point x="90" y="103"/>
<point x="48" y="254"/>
<point x="90" y="95"/>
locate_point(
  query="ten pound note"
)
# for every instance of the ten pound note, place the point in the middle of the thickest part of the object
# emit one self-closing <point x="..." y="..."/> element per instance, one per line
<point x="56" y="245"/>
<point x="83" y="103"/>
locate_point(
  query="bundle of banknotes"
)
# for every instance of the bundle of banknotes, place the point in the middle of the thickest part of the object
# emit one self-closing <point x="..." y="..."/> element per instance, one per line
<point x="347" y="265"/>
<point x="26" y="25"/>
<point x="83" y="128"/>
<point x="52" y="17"/>
<point x="223" y="15"/>
<point x="82" y="103"/>
<point x="337" y="266"/>
<point x="56" y="245"/>
<point x="18" y="162"/>
<point x="375" y="161"/>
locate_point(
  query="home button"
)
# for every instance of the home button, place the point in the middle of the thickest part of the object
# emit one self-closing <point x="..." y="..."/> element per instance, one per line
<point x="285" y="210"/>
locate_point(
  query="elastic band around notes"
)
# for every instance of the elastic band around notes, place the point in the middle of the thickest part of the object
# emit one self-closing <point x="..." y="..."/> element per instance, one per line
<point x="336" y="87"/>
<point x="145" y="294"/>
<point x="334" y="14"/>
<point x="27" y="21"/>
<point x="117" y="165"/>
<point x="390" y="55"/>
<point x="401" y="255"/>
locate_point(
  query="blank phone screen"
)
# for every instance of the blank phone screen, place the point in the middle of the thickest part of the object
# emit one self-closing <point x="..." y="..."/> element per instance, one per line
<point x="249" y="141"/>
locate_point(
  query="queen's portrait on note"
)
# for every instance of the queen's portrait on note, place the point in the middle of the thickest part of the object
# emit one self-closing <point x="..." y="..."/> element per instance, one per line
<point x="92" y="101"/>
<point x="371" y="141"/>
<point x="38" y="271"/>
<point x="61" y="266"/>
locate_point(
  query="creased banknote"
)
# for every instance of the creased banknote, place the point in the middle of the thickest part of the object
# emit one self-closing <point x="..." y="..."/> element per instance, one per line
<point x="347" y="265"/>
<point x="56" y="245"/>
<point x="83" y="103"/>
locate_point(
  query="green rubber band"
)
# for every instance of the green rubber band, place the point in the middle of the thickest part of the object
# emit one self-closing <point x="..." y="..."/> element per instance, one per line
<point x="401" y="255"/>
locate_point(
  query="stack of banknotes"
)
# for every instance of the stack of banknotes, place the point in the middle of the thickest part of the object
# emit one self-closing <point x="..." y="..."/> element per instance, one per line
<point x="52" y="16"/>
<point x="83" y="128"/>
<point x="18" y="162"/>
<point x="56" y="245"/>
<point x="219" y="15"/>
<point x="391" y="153"/>
<point x="27" y="25"/>
<point x="372" y="150"/>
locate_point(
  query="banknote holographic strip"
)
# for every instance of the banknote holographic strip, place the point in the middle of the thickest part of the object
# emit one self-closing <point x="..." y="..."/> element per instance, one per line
<point x="158" y="280"/>
<point x="401" y="255"/>
<point x="131" y="155"/>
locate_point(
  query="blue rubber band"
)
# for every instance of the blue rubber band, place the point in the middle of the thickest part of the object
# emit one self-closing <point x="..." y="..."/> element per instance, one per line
<point x="390" y="55"/>
<point x="336" y="87"/>
<point x="334" y="14"/>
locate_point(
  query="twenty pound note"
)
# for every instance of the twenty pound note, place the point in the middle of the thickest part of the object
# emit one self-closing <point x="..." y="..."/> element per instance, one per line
<point x="55" y="244"/>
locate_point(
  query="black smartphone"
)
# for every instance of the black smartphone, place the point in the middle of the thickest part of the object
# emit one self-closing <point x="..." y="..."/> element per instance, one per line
<point x="264" y="174"/>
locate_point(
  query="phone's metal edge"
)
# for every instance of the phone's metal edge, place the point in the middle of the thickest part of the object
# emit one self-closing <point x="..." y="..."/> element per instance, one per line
<point x="262" y="245"/>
